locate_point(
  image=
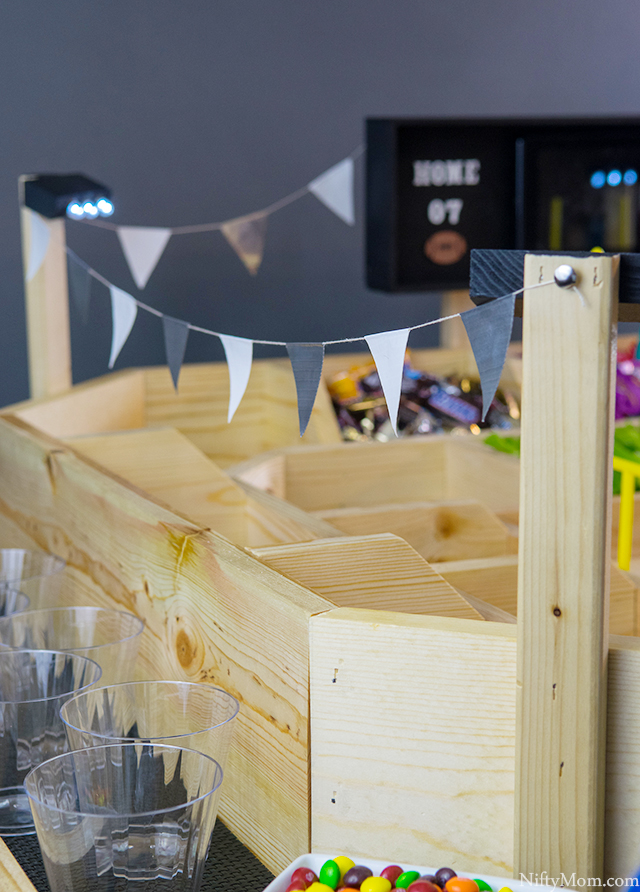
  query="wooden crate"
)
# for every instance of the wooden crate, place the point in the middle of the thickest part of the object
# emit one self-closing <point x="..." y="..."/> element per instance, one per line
<point x="315" y="630"/>
<point x="424" y="768"/>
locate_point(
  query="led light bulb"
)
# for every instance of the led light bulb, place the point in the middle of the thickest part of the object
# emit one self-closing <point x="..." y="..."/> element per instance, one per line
<point x="614" y="178"/>
<point x="630" y="177"/>
<point x="90" y="209"/>
<point x="105" y="207"/>
<point x="75" y="211"/>
<point x="598" y="179"/>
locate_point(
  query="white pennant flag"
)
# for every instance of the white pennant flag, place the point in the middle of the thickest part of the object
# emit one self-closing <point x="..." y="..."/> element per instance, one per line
<point x="239" y="353"/>
<point x="38" y="244"/>
<point x="388" y="349"/>
<point x="123" y="311"/>
<point x="334" y="188"/>
<point x="142" y="247"/>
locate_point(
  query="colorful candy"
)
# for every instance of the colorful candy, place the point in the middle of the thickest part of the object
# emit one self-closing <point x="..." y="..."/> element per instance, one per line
<point x="356" y="875"/>
<point x="330" y="874"/>
<point x="405" y="879"/>
<point x="422" y="885"/>
<point x="344" y="864"/>
<point x="391" y="873"/>
<point x="305" y="874"/>
<point x="444" y="875"/>
<point x="341" y="874"/>
<point x="460" y="884"/>
<point x="376" y="884"/>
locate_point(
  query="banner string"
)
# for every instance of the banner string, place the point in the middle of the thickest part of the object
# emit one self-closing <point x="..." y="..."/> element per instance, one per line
<point x="218" y="334"/>
<point x="212" y="227"/>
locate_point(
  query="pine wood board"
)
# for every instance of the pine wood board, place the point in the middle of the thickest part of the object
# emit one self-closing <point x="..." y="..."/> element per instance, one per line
<point x="319" y="478"/>
<point x="272" y="521"/>
<point x="212" y="613"/>
<point x="12" y="876"/>
<point x="417" y="469"/>
<point x="443" y="789"/>
<point x="267" y="417"/>
<point x="439" y="531"/>
<point x="380" y="571"/>
<point x="168" y="466"/>
<point x="568" y="386"/>
<point x="47" y="306"/>
<point x="423" y="766"/>
<point x="495" y="580"/>
<point x="110" y="403"/>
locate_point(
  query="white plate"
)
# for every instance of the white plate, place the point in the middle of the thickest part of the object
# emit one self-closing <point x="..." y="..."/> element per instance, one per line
<point x="315" y="862"/>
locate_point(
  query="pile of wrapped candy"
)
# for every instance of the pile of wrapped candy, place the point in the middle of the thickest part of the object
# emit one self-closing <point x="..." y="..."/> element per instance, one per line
<point x="628" y="384"/>
<point x="428" y="404"/>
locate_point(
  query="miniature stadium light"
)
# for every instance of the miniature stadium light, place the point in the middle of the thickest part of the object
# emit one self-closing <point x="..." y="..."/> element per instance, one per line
<point x="56" y="194"/>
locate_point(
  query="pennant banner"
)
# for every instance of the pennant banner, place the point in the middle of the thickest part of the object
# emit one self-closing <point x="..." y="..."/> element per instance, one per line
<point x="79" y="287"/>
<point x="334" y="188"/>
<point x="306" y="362"/>
<point x="142" y="247"/>
<point x="239" y="353"/>
<point x="388" y="349"/>
<point x="124" y="310"/>
<point x="489" y="330"/>
<point x="247" y="238"/>
<point x="176" y="333"/>
<point x="38" y="244"/>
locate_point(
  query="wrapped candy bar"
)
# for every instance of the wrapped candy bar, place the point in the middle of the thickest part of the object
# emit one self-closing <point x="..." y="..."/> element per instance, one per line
<point x="428" y="404"/>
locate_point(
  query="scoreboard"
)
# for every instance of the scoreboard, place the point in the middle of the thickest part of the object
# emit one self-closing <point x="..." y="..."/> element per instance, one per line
<point x="435" y="189"/>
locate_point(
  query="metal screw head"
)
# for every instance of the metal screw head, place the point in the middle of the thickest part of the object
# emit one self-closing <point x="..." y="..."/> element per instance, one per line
<point x="565" y="276"/>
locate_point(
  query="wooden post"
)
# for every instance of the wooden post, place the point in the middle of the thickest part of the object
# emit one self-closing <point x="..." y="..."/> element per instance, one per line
<point x="453" y="333"/>
<point x="569" y="353"/>
<point x="47" y="309"/>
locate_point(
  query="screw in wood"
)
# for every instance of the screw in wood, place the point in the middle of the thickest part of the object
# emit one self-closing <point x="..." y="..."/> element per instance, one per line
<point x="565" y="276"/>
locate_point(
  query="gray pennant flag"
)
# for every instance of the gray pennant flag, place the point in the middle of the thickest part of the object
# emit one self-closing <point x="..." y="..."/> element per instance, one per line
<point x="306" y="362"/>
<point x="489" y="330"/>
<point x="176" y="333"/>
<point x="79" y="287"/>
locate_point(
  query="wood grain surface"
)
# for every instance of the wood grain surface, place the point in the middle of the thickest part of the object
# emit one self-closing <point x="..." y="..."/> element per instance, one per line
<point x="212" y="613"/>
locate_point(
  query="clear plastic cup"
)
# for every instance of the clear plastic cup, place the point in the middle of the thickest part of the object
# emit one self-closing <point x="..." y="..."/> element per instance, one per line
<point x="180" y="713"/>
<point x="125" y="816"/>
<point x="33" y="686"/>
<point x="12" y="601"/>
<point x="110" y="637"/>
<point x="37" y="574"/>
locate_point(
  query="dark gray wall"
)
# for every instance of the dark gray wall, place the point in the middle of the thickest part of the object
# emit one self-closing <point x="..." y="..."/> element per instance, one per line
<point x="202" y="110"/>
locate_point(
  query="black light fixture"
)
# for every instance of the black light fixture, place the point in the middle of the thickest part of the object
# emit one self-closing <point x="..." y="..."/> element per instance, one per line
<point x="54" y="195"/>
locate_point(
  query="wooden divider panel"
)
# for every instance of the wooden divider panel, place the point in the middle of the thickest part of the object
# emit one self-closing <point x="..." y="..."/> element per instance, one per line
<point x="114" y="402"/>
<point x="266" y="418"/>
<point x="355" y="474"/>
<point x="381" y="572"/>
<point x="167" y="465"/>
<point x="439" y="531"/>
<point x="495" y="580"/>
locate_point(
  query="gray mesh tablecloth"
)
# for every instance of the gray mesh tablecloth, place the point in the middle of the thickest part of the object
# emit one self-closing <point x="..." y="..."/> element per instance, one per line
<point x="230" y="866"/>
